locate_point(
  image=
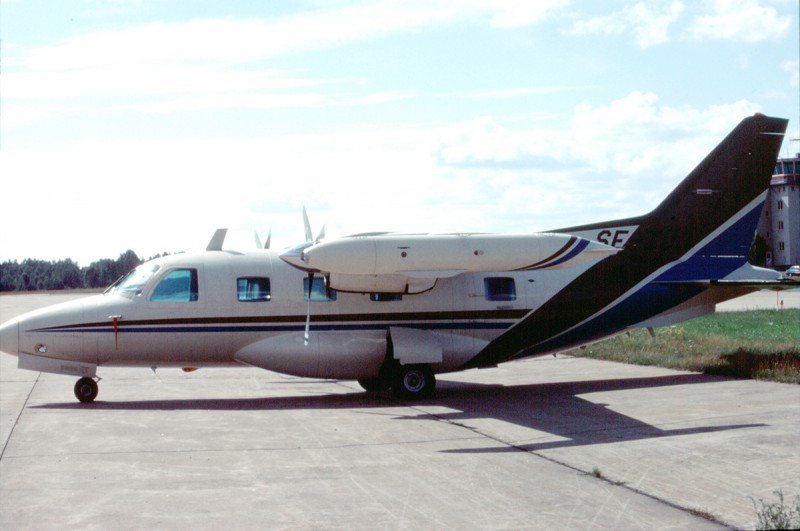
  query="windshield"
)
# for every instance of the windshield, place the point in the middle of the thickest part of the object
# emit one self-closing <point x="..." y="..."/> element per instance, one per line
<point x="134" y="281"/>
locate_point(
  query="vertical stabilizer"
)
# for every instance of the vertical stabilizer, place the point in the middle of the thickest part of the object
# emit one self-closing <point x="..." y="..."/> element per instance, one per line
<point x="701" y="232"/>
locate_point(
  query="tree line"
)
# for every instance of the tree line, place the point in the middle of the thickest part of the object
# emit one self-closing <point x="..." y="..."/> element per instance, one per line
<point x="37" y="275"/>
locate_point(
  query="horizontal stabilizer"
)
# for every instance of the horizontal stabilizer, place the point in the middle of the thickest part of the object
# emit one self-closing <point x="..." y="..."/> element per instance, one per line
<point x="783" y="283"/>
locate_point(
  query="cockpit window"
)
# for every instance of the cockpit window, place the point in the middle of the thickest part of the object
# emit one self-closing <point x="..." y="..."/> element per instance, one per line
<point x="179" y="285"/>
<point x="134" y="281"/>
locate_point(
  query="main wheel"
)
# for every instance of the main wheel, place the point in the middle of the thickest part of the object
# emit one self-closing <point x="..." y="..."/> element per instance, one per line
<point x="86" y="390"/>
<point x="375" y="385"/>
<point x="413" y="382"/>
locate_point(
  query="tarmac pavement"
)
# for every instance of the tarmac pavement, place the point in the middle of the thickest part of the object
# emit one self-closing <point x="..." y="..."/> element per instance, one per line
<point x="551" y="442"/>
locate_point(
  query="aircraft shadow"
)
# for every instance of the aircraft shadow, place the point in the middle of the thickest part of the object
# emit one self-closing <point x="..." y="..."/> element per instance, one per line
<point x="558" y="409"/>
<point x="553" y="408"/>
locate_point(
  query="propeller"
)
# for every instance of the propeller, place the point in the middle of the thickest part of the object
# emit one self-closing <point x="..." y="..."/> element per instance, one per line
<point x="307" y="227"/>
<point x="310" y="239"/>
<point x="258" y="240"/>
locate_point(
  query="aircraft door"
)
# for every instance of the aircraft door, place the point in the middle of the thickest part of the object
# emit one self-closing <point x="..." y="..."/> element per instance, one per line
<point x="497" y="301"/>
<point x="465" y="336"/>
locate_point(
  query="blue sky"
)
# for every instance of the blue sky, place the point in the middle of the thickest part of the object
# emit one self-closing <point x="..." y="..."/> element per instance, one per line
<point x="147" y="124"/>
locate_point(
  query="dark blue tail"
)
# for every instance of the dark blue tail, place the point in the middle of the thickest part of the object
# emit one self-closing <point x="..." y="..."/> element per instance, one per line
<point x="699" y="234"/>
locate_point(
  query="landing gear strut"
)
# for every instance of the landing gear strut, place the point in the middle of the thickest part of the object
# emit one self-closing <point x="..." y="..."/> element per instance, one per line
<point x="86" y="390"/>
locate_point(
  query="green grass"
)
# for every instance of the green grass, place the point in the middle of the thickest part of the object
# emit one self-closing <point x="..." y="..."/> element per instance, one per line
<point x="759" y="344"/>
<point x="777" y="515"/>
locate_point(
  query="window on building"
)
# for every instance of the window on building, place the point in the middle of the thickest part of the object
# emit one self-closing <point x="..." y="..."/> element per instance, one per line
<point x="179" y="285"/>
<point x="319" y="291"/>
<point x="780" y="204"/>
<point x="780" y="224"/>
<point x="499" y="289"/>
<point x="780" y="246"/>
<point x="253" y="289"/>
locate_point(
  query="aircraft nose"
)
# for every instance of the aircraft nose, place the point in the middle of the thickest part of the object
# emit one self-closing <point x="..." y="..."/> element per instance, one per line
<point x="9" y="337"/>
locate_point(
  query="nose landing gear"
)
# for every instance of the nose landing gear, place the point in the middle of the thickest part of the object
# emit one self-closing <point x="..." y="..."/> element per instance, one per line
<point x="86" y="390"/>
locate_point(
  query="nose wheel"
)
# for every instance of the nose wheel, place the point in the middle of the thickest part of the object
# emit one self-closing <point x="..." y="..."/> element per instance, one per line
<point x="86" y="390"/>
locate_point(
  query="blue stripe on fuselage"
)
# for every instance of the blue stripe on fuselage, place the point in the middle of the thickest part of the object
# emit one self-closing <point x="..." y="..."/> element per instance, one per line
<point x="581" y="245"/>
<point x="648" y="301"/>
<point x="282" y="328"/>
<point x="712" y="261"/>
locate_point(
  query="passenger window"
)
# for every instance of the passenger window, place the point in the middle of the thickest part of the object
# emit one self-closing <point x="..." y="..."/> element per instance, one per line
<point x="319" y="291"/>
<point x="253" y="289"/>
<point x="500" y="289"/>
<point x="383" y="297"/>
<point x="178" y="286"/>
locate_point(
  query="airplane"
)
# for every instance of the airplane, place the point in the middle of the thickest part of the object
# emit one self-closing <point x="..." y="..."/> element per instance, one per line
<point x="394" y="310"/>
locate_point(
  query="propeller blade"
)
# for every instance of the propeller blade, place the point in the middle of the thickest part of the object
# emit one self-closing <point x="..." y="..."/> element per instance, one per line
<point x="259" y="245"/>
<point x="321" y="234"/>
<point x="307" y="225"/>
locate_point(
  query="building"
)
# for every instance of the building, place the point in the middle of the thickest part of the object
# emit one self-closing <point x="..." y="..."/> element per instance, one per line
<point x="780" y="220"/>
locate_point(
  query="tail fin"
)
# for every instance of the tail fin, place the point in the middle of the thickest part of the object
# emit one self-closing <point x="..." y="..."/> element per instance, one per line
<point x="708" y="222"/>
<point x="699" y="234"/>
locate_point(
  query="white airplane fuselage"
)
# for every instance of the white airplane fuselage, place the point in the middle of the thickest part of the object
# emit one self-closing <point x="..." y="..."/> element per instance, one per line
<point x="348" y="335"/>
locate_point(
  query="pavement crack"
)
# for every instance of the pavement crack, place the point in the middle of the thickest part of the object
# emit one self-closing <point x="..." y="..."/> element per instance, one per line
<point x="19" y="414"/>
<point x="620" y="484"/>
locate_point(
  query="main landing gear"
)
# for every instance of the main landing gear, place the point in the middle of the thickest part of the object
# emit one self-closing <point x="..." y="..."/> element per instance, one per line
<point x="86" y="390"/>
<point x="407" y="382"/>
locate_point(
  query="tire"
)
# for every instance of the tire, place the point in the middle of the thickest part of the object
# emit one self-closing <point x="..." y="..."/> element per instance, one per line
<point x="86" y="390"/>
<point x="413" y="382"/>
<point x="374" y="385"/>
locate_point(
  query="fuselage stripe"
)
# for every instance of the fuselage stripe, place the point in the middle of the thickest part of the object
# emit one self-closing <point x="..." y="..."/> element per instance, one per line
<point x="467" y="325"/>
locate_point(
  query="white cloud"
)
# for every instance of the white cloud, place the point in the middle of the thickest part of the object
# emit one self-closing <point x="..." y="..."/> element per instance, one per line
<point x="648" y="22"/>
<point x="518" y="13"/>
<point x="214" y="63"/>
<point x="213" y="41"/>
<point x="130" y="80"/>
<point x="608" y="161"/>
<point x="631" y="137"/>
<point x="741" y="20"/>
